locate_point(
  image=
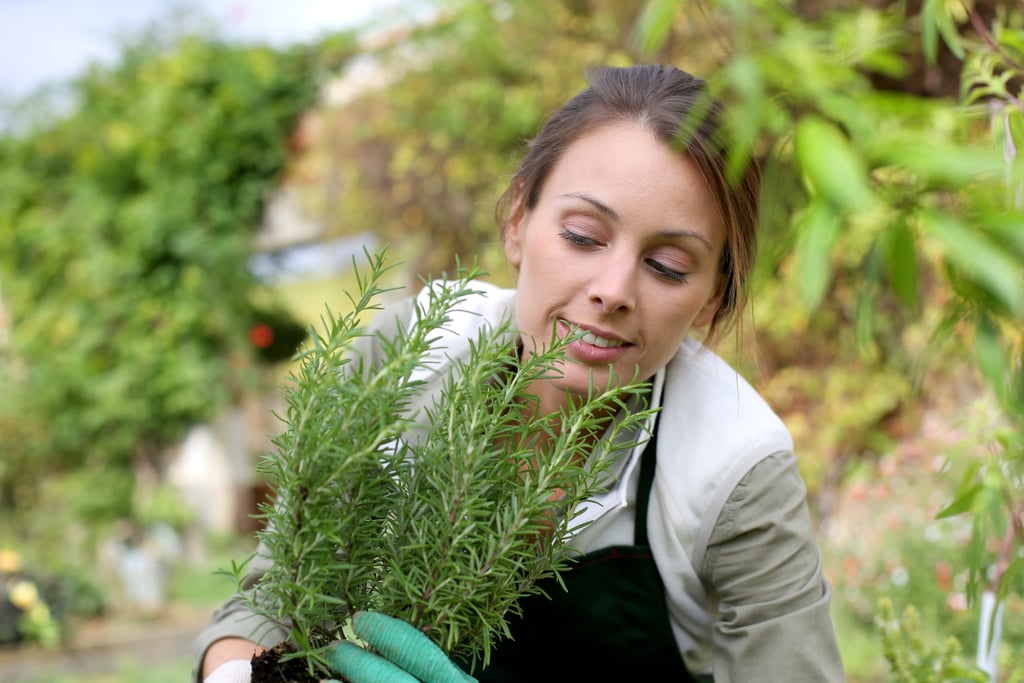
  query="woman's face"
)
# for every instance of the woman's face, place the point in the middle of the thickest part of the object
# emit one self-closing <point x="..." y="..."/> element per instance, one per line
<point x="623" y="244"/>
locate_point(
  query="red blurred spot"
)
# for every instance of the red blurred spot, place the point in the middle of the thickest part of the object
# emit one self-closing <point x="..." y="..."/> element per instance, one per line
<point x="261" y="336"/>
<point x="944" y="575"/>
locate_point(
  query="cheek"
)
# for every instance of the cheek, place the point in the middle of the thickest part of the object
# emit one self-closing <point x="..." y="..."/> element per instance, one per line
<point x="665" y="348"/>
<point x="669" y="327"/>
<point x="542" y="269"/>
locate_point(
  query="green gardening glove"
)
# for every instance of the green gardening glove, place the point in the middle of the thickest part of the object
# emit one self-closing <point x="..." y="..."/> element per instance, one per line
<point x="406" y="654"/>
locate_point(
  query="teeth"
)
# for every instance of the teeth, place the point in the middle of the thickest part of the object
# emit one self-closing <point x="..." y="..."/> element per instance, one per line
<point x="600" y="342"/>
<point x="593" y="339"/>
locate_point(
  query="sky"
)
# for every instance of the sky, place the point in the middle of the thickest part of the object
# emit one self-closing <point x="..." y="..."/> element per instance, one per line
<point x="51" y="41"/>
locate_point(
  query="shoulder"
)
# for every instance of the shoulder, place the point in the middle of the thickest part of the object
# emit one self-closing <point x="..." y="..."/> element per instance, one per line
<point x="392" y="317"/>
<point x="483" y="304"/>
<point x="479" y="308"/>
<point x="713" y="429"/>
<point x="385" y="325"/>
<point x="708" y="406"/>
<point x="476" y="301"/>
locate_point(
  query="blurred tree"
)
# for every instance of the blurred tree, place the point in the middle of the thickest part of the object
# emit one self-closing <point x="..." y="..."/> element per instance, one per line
<point x="126" y="227"/>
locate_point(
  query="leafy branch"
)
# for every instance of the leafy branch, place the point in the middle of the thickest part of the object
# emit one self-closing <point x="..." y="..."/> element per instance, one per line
<point x="445" y="514"/>
<point x="914" y="660"/>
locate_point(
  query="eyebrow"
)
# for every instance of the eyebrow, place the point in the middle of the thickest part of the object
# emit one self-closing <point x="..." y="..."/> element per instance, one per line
<point x="602" y="208"/>
<point x="609" y="212"/>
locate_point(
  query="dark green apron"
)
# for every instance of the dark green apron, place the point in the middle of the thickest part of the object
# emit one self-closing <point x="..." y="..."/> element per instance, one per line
<point x="611" y="625"/>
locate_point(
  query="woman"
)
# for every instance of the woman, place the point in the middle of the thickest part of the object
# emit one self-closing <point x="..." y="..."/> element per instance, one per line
<point x="701" y="562"/>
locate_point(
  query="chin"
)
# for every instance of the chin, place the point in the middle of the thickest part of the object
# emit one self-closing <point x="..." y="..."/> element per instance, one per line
<point x="578" y="381"/>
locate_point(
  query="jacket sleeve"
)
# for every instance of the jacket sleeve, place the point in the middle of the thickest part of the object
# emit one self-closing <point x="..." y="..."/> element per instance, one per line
<point x="764" y="567"/>
<point x="236" y="618"/>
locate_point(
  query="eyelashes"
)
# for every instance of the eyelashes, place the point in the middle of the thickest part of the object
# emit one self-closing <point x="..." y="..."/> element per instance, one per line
<point x="666" y="272"/>
<point x="577" y="239"/>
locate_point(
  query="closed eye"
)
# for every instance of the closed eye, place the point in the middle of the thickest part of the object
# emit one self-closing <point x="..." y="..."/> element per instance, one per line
<point x="659" y="268"/>
<point x="577" y="239"/>
<point x="665" y="272"/>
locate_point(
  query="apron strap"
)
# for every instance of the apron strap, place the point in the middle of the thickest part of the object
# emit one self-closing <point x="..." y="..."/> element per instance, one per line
<point x="648" y="462"/>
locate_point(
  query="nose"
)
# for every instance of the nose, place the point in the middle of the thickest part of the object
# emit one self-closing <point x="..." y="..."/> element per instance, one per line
<point x="613" y="285"/>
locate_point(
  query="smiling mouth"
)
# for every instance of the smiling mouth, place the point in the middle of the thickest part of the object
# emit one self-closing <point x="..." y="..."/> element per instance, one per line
<point x="593" y="339"/>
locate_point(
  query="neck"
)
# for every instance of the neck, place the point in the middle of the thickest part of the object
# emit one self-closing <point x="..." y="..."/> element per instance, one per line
<point x="549" y="404"/>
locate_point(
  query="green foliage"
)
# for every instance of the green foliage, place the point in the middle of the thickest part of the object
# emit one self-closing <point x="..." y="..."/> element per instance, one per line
<point x="125" y="231"/>
<point x="915" y="661"/>
<point x="442" y="515"/>
<point x="988" y="482"/>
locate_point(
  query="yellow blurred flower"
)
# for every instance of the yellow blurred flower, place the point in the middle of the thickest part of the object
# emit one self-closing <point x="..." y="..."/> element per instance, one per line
<point x="40" y="625"/>
<point x="23" y="594"/>
<point x="10" y="561"/>
<point x="39" y="612"/>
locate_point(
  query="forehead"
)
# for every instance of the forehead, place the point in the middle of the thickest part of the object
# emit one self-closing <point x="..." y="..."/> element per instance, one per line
<point x="640" y="177"/>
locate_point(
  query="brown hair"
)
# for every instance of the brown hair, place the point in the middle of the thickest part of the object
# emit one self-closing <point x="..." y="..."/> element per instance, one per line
<point x="676" y="107"/>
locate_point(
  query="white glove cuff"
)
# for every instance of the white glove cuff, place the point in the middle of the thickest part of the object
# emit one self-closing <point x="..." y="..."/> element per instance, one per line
<point x="234" y="671"/>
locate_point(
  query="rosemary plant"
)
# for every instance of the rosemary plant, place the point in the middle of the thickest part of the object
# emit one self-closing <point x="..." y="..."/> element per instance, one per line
<point x="444" y="516"/>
